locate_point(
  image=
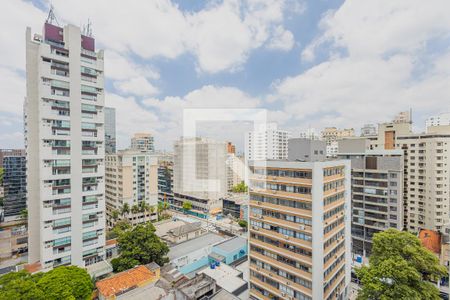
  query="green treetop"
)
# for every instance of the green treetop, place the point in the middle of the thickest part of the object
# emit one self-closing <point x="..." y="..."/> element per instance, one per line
<point x="139" y="245"/>
<point x="399" y="268"/>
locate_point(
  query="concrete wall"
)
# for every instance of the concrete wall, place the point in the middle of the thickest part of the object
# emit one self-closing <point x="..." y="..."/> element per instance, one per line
<point x="306" y="149"/>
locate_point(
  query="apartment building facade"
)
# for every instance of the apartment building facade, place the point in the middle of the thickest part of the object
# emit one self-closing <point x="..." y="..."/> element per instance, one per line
<point x="427" y="179"/>
<point x="266" y="142"/>
<point x="377" y="192"/>
<point x="132" y="179"/>
<point x="10" y="152"/>
<point x="165" y="181"/>
<point x="110" y="130"/>
<point x="331" y="135"/>
<point x="15" y="187"/>
<point x="299" y="230"/>
<point x="199" y="175"/>
<point x="235" y="170"/>
<point x="64" y="137"/>
<point x="144" y="142"/>
<point x="438" y="120"/>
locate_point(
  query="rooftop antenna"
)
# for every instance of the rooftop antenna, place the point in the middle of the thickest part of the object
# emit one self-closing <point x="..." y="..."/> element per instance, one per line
<point x="87" y="29"/>
<point x="51" y="16"/>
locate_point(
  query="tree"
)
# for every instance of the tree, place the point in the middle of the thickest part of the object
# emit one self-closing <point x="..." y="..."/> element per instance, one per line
<point x="24" y="214"/>
<point x="140" y="245"/>
<point x="240" y="188"/>
<point x="125" y="209"/>
<point x="69" y="282"/>
<point x="115" y="215"/>
<point x="160" y="209"/>
<point x="60" y="283"/>
<point x="399" y="268"/>
<point x="187" y="206"/>
<point x="143" y="208"/>
<point x="243" y="224"/>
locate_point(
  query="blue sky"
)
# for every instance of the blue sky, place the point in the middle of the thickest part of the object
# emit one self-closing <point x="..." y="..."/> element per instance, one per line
<point x="309" y="63"/>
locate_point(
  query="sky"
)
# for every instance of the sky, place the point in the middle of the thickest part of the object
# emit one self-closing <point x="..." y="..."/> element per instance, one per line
<point x="311" y="64"/>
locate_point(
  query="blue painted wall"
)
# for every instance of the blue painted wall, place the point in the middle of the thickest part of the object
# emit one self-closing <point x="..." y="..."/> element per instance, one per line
<point x="232" y="256"/>
<point x="195" y="265"/>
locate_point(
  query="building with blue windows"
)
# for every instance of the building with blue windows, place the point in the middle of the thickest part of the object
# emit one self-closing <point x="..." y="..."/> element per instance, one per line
<point x="15" y="186"/>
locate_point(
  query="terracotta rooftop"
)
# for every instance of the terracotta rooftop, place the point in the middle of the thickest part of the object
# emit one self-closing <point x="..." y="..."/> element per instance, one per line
<point x="124" y="281"/>
<point x="33" y="268"/>
<point x="431" y="240"/>
<point x="111" y="242"/>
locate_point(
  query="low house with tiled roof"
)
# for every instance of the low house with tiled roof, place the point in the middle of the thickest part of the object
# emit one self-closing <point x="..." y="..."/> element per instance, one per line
<point x="126" y="281"/>
<point x="185" y="232"/>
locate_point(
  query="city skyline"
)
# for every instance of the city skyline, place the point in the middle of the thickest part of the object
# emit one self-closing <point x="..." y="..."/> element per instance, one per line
<point x="316" y="72"/>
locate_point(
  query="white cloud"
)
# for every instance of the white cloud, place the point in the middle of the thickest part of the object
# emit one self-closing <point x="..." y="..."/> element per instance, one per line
<point x="12" y="87"/>
<point x="119" y="67"/>
<point x="131" y="117"/>
<point x="368" y="28"/>
<point x="380" y="60"/>
<point x="16" y="16"/>
<point x="170" y="109"/>
<point x="221" y="35"/>
<point x="138" y="86"/>
<point x="282" y="39"/>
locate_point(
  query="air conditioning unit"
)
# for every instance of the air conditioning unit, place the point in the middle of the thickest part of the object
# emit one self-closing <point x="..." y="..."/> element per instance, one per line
<point x="286" y="237"/>
<point x="301" y="227"/>
<point x="283" y="294"/>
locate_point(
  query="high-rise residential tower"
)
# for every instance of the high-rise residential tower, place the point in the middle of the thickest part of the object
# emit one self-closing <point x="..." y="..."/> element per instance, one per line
<point x="266" y="142"/>
<point x="10" y="152"/>
<point x="299" y="230"/>
<point x="110" y="130"/>
<point x="15" y="186"/>
<point x="143" y="142"/>
<point x="199" y="175"/>
<point x="131" y="178"/>
<point x="64" y="132"/>
<point x="377" y="191"/>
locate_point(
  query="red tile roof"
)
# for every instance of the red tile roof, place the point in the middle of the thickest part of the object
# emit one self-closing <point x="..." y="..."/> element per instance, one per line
<point x="124" y="281"/>
<point x="431" y="240"/>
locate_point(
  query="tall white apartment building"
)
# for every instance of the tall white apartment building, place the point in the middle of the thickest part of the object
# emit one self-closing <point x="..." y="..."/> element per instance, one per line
<point x="199" y="174"/>
<point x="64" y="131"/>
<point x="266" y="142"/>
<point x="131" y="178"/>
<point x="235" y="170"/>
<point x="143" y="142"/>
<point x="441" y="119"/>
<point x="299" y="235"/>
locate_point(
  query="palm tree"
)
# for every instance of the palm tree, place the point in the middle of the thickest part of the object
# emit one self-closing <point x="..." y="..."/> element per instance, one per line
<point x="125" y="210"/>
<point x="134" y="210"/>
<point x="151" y="209"/>
<point x="115" y="215"/>
<point x="143" y="208"/>
<point x="160" y="209"/>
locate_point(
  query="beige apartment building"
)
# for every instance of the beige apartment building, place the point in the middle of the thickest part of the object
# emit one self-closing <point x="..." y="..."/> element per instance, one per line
<point x="132" y="178"/>
<point x="299" y="230"/>
<point x="144" y="142"/>
<point x="426" y="186"/>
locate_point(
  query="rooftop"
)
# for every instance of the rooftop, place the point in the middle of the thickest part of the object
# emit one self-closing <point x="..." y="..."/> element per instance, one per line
<point x="163" y="228"/>
<point x="223" y="295"/>
<point x="187" y="247"/>
<point x="232" y="244"/>
<point x="186" y="228"/>
<point x="125" y="280"/>
<point x="225" y="276"/>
